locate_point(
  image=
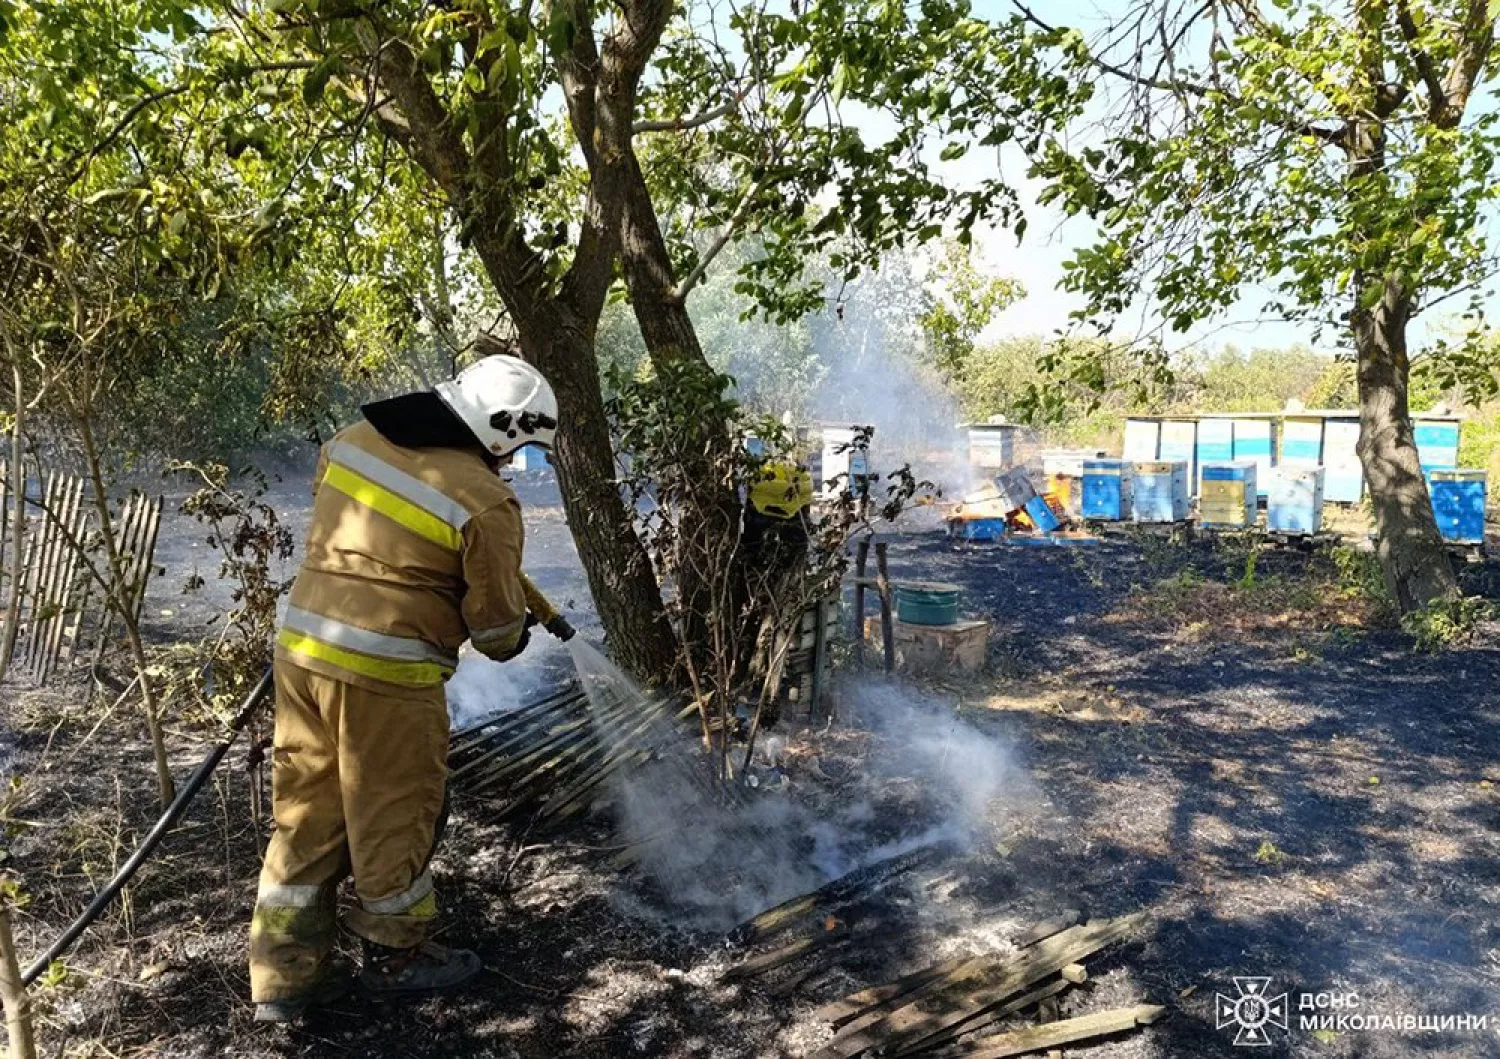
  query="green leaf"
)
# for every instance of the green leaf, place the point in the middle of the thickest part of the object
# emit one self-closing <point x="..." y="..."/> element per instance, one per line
<point x="316" y="81"/>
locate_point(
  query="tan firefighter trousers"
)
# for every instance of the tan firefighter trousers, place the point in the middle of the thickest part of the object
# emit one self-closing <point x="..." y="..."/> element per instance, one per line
<point x="357" y="782"/>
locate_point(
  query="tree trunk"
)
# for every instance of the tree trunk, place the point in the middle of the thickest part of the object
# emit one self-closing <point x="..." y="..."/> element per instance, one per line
<point x="13" y="993"/>
<point x="711" y="506"/>
<point x="665" y="325"/>
<point x="620" y="576"/>
<point x="17" y="529"/>
<point x="1412" y="555"/>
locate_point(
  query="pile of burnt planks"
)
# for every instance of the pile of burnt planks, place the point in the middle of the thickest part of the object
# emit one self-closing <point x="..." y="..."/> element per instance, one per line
<point x="552" y="757"/>
<point x="958" y="1009"/>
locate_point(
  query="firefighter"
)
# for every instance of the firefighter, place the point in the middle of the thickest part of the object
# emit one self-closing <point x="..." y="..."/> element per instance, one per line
<point x="414" y="547"/>
<point x="776" y="526"/>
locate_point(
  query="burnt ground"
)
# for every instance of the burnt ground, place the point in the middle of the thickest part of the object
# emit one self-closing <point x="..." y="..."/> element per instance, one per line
<point x="1280" y="782"/>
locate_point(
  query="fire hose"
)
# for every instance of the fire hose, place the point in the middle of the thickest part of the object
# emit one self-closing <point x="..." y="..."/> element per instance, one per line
<point x="538" y="608"/>
<point x="169" y="818"/>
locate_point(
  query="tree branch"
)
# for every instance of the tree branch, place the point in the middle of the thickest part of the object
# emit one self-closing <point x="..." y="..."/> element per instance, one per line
<point x="741" y="209"/>
<point x="1437" y="92"/>
<point x="1476" y="38"/>
<point x="697" y="120"/>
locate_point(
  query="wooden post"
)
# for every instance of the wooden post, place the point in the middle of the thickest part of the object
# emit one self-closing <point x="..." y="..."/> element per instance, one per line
<point x="887" y="632"/>
<point x="861" y="562"/>
<point x="820" y="655"/>
<point x="13" y="992"/>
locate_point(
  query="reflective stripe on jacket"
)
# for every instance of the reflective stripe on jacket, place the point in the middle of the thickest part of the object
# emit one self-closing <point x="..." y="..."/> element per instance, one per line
<point x="410" y="552"/>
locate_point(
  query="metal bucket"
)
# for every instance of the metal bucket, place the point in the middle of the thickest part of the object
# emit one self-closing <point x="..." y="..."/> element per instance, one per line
<point x="927" y="603"/>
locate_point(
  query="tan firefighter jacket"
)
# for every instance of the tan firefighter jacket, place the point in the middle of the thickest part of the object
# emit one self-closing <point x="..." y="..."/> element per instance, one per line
<point x="410" y="552"/>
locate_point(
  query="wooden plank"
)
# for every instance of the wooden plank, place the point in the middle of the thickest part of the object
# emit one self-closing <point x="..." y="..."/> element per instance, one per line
<point x="837" y="892"/>
<point x="59" y="521"/>
<point x="1047" y="927"/>
<point x="147" y="563"/>
<point x="861" y="563"/>
<point x="857" y="1028"/>
<point x="41" y="566"/>
<point x="71" y="568"/>
<point x="974" y="989"/>
<point x="1068" y="1031"/>
<point x="852" y="1006"/>
<point x="121" y="527"/>
<point x="820" y="657"/>
<point x="887" y="632"/>
<point x="1039" y="996"/>
<point x="767" y="961"/>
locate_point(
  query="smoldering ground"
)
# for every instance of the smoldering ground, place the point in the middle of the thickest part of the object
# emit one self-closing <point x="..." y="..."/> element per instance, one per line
<point x="902" y="771"/>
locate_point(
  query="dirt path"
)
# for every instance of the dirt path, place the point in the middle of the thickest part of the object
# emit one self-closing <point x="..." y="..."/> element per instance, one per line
<point x="1317" y="805"/>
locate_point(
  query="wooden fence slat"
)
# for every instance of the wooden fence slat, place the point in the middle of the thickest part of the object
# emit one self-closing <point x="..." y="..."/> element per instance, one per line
<point x="41" y="560"/>
<point x="54" y="567"/>
<point x="71" y="560"/>
<point x="148" y="552"/>
<point x="59" y="520"/>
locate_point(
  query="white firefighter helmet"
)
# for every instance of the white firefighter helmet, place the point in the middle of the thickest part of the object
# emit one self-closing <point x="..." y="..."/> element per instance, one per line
<point x="505" y="402"/>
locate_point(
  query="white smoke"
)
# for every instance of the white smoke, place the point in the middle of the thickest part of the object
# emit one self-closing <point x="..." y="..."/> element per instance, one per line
<point x="481" y="688"/>
<point x="903" y="771"/>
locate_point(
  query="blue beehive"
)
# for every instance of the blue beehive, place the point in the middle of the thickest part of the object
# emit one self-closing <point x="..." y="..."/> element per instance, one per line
<point x="1042" y="516"/>
<point x="1106" y="489"/>
<point x="1437" y="443"/>
<point x="1159" y="491"/>
<point x="978" y="529"/>
<point x="1255" y="440"/>
<point x="1215" y="442"/>
<point x="1458" y="504"/>
<point x="1294" y="500"/>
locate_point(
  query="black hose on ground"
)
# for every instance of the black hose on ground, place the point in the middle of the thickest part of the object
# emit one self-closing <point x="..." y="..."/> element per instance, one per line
<point x="168" y="819"/>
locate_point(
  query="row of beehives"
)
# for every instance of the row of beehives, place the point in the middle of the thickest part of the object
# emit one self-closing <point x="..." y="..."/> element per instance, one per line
<point x="1157" y="491"/>
<point x="1302" y="438"/>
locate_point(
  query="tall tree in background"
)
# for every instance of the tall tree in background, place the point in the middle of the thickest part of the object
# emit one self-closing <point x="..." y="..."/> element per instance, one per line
<point x="1337" y="153"/>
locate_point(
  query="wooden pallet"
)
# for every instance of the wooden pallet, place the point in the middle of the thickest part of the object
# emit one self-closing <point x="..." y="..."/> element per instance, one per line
<point x="1183" y="528"/>
<point x="1468" y="551"/>
<point x="1304" y="541"/>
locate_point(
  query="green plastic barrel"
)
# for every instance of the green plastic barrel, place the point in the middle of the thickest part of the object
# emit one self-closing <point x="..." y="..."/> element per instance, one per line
<point x="927" y="603"/>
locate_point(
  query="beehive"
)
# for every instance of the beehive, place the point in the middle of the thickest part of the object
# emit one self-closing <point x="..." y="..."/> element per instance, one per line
<point x="992" y="446"/>
<point x="1301" y="442"/>
<point x="1015" y="488"/>
<point x="1255" y="440"/>
<point x="1142" y="439"/>
<point x="845" y="468"/>
<point x="935" y="649"/>
<point x="1215" y="443"/>
<point x="1106" y="490"/>
<point x="1159" y="491"/>
<point x="1227" y="496"/>
<point x="1179" y="442"/>
<point x="1294" y="500"/>
<point x="1042" y="516"/>
<point x="1345" y="478"/>
<point x="1458" y="498"/>
<point x="1437" y="443"/>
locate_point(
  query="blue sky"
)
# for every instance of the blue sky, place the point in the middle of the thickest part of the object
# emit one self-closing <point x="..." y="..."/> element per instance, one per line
<point x="1051" y="238"/>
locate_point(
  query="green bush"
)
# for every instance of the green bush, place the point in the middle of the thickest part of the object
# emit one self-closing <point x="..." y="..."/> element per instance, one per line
<point x="1447" y="623"/>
